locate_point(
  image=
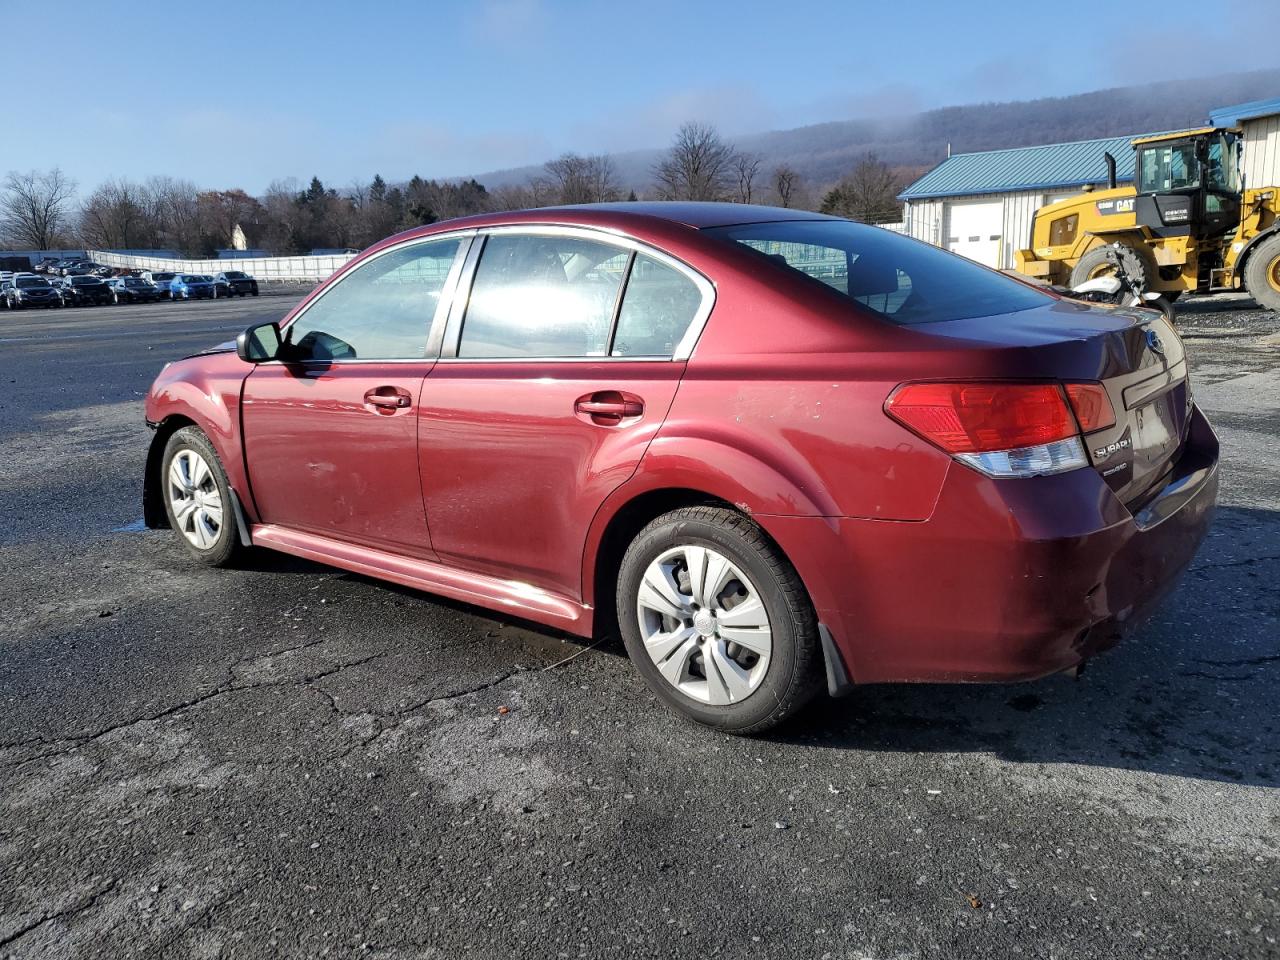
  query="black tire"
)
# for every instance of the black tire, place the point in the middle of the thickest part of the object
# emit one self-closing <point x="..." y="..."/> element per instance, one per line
<point x="226" y="545"/>
<point x="255" y="292"/>
<point x="1262" y="273"/>
<point x="794" y="670"/>
<point x="1139" y="263"/>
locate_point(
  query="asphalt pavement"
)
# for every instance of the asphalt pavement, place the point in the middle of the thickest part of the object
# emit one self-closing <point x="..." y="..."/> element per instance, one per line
<point x="288" y="760"/>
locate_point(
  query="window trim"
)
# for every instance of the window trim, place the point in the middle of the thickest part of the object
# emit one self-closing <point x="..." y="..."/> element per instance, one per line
<point x="435" y="326"/>
<point x="462" y="294"/>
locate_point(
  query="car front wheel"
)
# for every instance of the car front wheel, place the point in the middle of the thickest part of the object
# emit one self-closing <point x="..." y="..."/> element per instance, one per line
<point x="717" y="620"/>
<point x="197" y="498"/>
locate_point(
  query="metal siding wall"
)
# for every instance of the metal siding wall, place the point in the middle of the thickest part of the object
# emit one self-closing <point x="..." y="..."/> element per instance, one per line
<point x="1019" y="211"/>
<point x="1262" y="152"/>
<point x="924" y="220"/>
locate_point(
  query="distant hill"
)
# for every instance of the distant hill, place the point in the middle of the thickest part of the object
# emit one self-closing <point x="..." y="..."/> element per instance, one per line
<point x="824" y="152"/>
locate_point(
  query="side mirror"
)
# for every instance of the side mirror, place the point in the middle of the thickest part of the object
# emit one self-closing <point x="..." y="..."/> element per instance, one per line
<point x="259" y="343"/>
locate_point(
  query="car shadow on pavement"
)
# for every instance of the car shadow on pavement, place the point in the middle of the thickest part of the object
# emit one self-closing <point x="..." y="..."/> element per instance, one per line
<point x="1191" y="693"/>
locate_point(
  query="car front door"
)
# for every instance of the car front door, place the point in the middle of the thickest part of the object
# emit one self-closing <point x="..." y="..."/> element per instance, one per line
<point x="330" y="431"/>
<point x="557" y="370"/>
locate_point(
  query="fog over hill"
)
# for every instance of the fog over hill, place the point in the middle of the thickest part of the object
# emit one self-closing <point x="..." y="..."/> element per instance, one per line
<point x="824" y="152"/>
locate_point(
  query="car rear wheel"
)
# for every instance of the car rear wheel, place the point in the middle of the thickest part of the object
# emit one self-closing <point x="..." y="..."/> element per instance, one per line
<point x="197" y="498"/>
<point x="717" y="621"/>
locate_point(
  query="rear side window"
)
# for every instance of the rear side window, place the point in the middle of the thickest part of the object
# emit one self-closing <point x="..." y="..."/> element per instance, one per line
<point x="902" y="280"/>
<point x="542" y="296"/>
<point x="659" y="304"/>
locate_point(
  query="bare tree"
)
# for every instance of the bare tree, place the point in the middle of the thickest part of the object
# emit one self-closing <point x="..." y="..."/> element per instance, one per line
<point x="118" y="214"/>
<point x="786" y="183"/>
<point x="282" y="219"/>
<point x="869" y="193"/>
<point x="576" y="179"/>
<point x="746" y="166"/>
<point x="699" y="165"/>
<point x="34" y="207"/>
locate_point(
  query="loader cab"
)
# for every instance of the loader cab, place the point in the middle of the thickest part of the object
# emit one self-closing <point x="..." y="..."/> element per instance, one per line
<point x="1188" y="183"/>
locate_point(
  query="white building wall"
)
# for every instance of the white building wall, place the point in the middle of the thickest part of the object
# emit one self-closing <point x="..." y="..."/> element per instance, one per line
<point x="927" y="219"/>
<point x="1261" y="161"/>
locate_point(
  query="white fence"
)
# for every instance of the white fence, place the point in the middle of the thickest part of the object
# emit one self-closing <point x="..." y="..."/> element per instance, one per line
<point x="311" y="269"/>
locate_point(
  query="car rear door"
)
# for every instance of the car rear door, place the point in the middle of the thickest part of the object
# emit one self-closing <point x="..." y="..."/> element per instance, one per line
<point x="330" y="432"/>
<point x="559" y="365"/>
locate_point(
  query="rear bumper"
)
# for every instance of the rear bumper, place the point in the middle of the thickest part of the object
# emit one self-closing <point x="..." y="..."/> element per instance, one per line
<point x="1007" y="580"/>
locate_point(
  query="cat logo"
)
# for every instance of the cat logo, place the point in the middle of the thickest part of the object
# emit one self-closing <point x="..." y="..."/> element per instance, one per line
<point x="1107" y="208"/>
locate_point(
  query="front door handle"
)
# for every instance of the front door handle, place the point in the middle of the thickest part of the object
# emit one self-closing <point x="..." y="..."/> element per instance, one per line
<point x="608" y="407"/>
<point x="387" y="400"/>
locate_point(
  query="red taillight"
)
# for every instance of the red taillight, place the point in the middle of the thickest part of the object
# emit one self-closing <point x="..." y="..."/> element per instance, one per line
<point x="1092" y="406"/>
<point x="981" y="417"/>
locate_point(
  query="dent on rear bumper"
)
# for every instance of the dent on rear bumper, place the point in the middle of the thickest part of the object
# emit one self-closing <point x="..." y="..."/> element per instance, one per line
<point x="1007" y="580"/>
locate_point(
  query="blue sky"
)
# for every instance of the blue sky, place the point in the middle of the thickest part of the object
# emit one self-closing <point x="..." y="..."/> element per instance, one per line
<point x="267" y="90"/>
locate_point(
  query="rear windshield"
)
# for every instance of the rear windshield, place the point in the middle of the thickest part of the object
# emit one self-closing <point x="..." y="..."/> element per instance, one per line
<point x="234" y="275"/>
<point x="903" y="280"/>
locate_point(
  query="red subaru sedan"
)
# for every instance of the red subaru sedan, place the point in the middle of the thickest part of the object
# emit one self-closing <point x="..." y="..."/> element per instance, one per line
<point x="774" y="449"/>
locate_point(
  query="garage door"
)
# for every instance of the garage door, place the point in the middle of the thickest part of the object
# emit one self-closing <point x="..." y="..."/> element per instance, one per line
<point x="974" y="230"/>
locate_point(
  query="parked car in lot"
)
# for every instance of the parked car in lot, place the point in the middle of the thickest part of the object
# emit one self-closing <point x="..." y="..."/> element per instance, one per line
<point x="132" y="290"/>
<point x="190" y="286"/>
<point x="161" y="279"/>
<point x="29" y="290"/>
<point x="772" y="446"/>
<point x="233" y="282"/>
<point x="80" y="290"/>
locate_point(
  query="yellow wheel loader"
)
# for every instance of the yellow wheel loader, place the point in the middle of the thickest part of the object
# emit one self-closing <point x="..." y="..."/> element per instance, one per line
<point x="1186" y="225"/>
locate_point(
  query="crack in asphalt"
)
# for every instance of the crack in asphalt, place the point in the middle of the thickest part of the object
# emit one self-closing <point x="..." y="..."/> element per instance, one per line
<point x="70" y="911"/>
<point x="1247" y="662"/>
<point x="71" y="743"/>
<point x="68" y="744"/>
<point x="401" y="714"/>
<point x="1232" y="563"/>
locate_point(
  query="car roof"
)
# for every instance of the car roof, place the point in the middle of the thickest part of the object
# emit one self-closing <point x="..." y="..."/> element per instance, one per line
<point x="689" y="213"/>
<point x="684" y="213"/>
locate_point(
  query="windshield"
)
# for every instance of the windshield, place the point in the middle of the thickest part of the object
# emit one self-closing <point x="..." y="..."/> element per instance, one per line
<point x="1168" y="166"/>
<point x="134" y="282"/>
<point x="85" y="281"/>
<point x="234" y="275"/>
<point x="162" y="276"/>
<point x="23" y="283"/>
<point x="901" y="279"/>
<point x="191" y="278"/>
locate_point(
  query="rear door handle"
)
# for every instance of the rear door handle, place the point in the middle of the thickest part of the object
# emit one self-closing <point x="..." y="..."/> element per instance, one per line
<point x="385" y="400"/>
<point x="608" y="407"/>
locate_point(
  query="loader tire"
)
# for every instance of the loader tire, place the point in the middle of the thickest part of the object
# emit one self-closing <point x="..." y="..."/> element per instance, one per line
<point x="1138" y="263"/>
<point x="1262" y="273"/>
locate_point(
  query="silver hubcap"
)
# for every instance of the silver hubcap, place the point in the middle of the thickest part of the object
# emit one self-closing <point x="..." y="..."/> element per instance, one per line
<point x="704" y="625"/>
<point x="194" y="498"/>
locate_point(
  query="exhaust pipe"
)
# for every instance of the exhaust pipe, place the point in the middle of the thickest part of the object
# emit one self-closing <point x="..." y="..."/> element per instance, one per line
<point x="1111" y="170"/>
